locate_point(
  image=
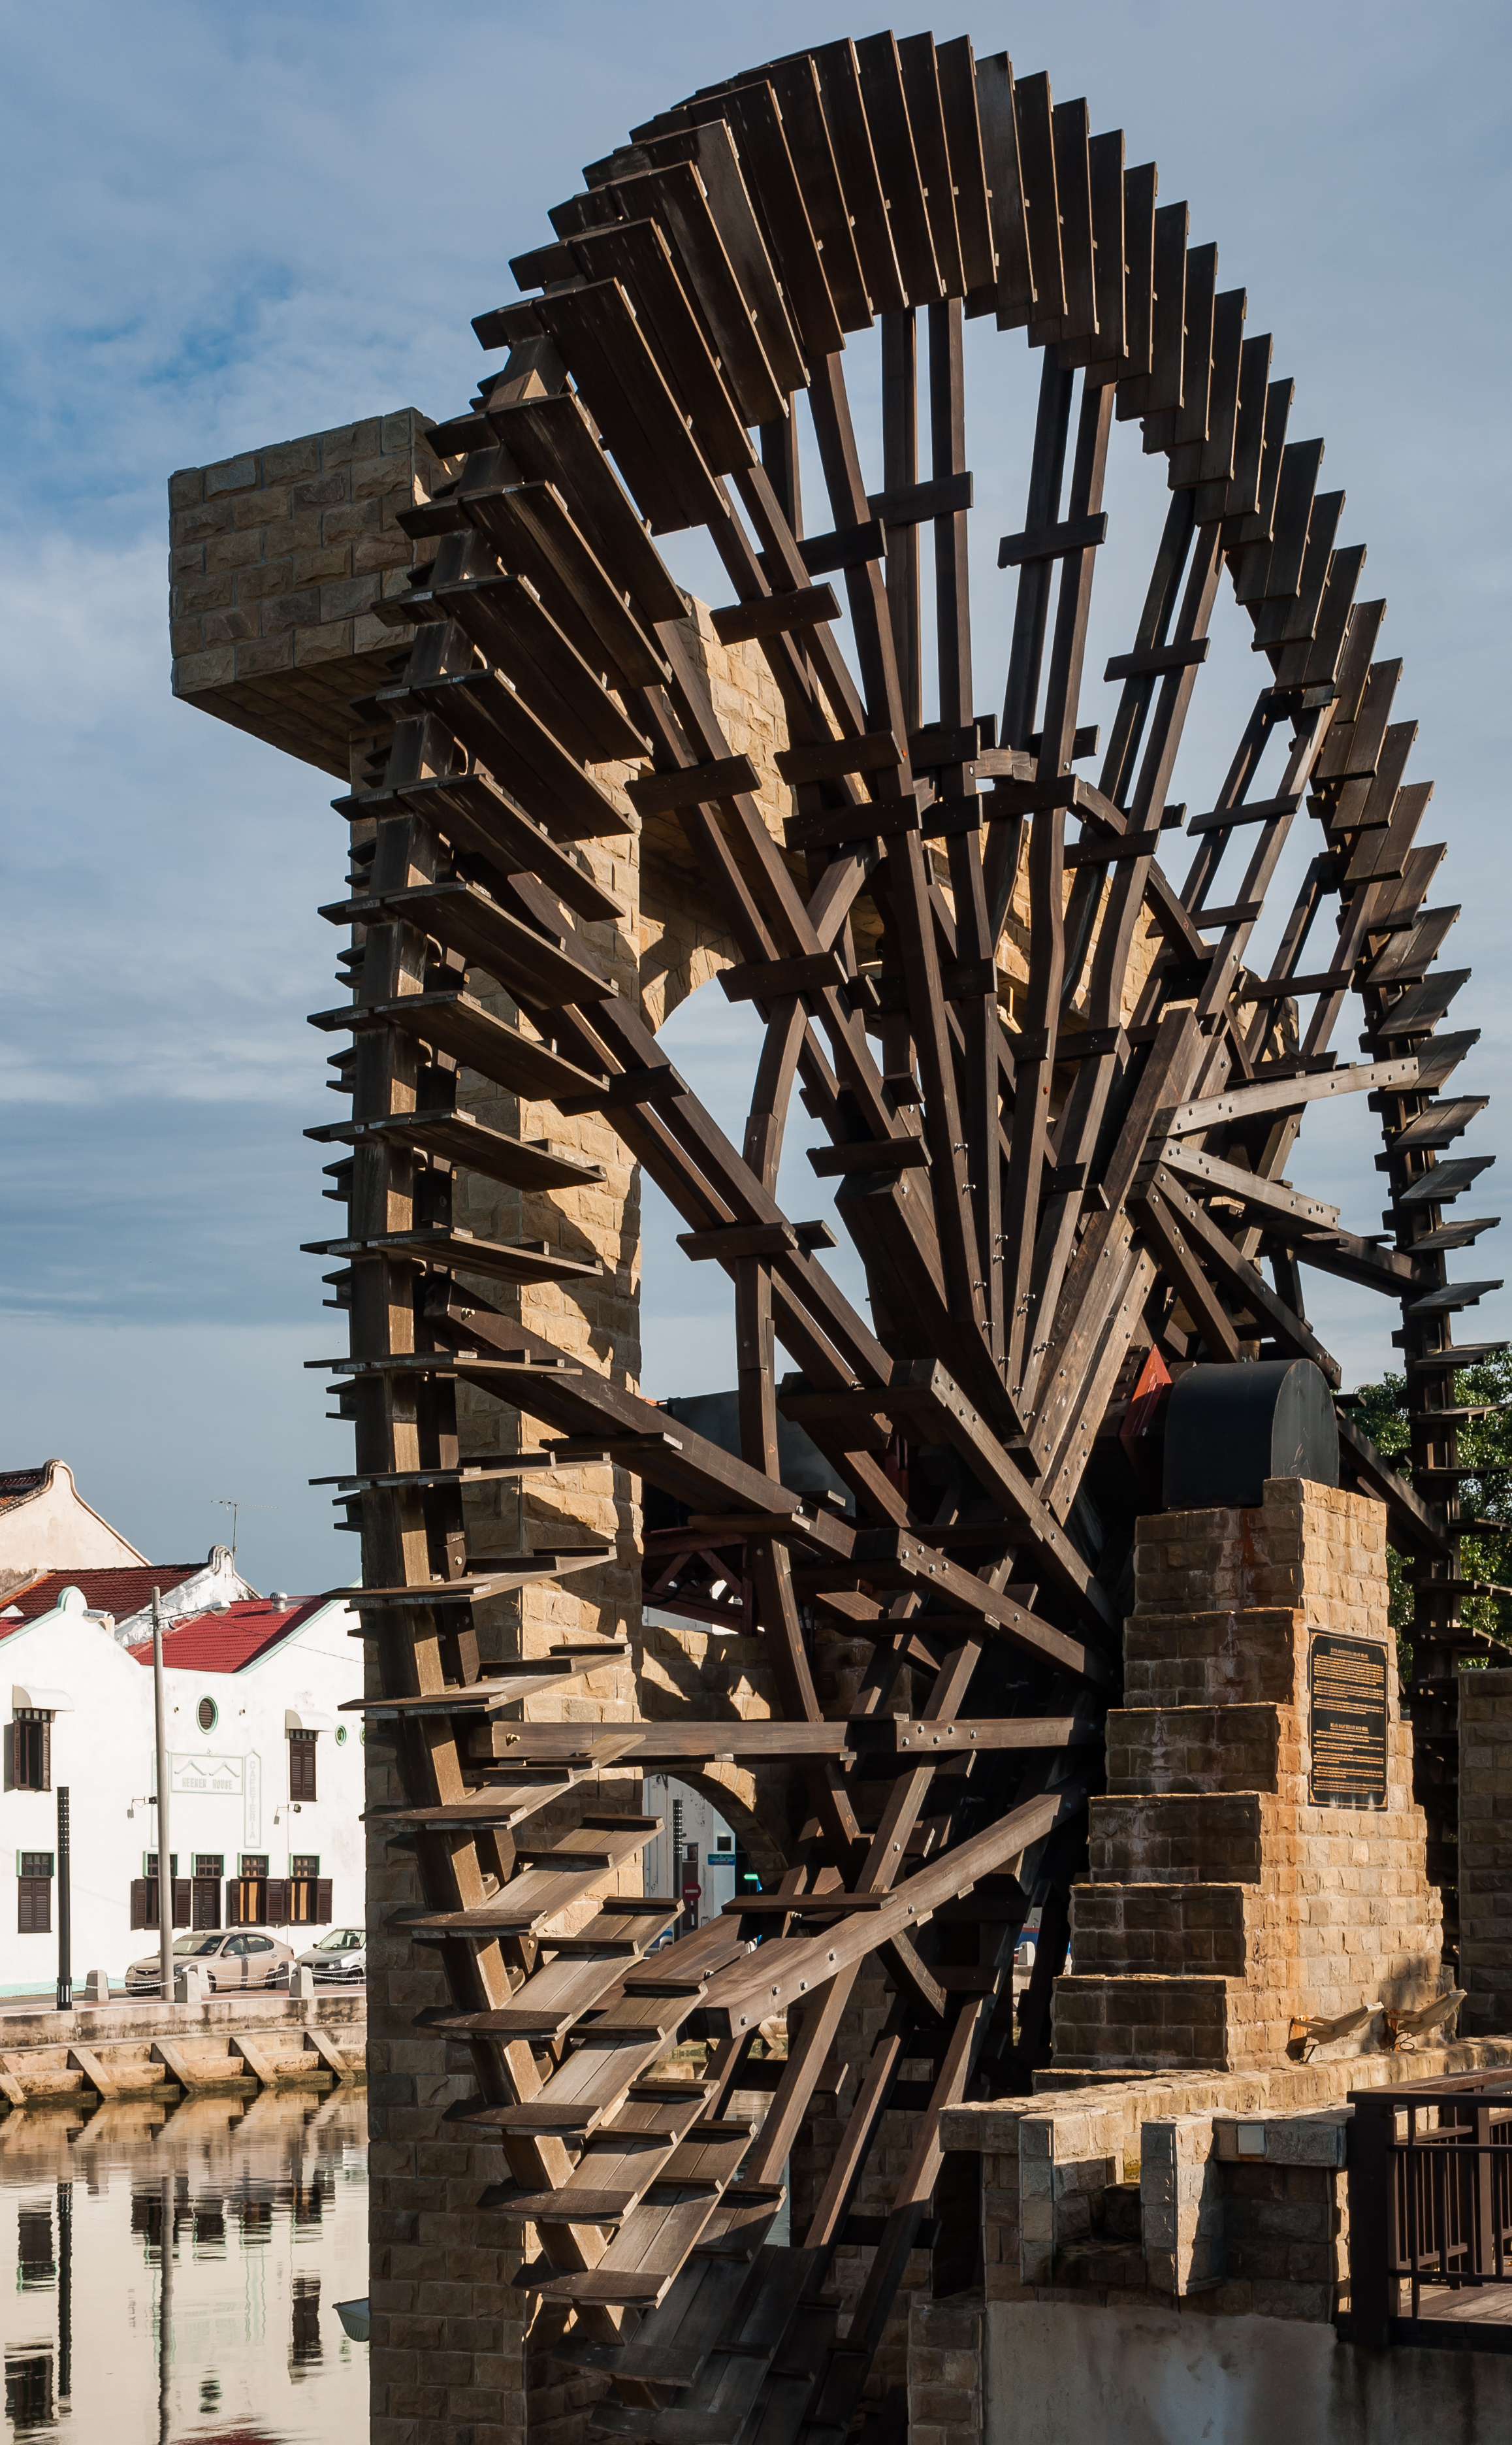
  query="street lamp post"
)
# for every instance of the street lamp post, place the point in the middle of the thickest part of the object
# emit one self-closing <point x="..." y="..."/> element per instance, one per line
<point x="165" y="1874"/>
<point x="65" y="1906"/>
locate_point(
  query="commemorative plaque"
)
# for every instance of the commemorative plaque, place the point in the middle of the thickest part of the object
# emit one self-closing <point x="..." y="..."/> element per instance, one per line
<point x="1345" y="1687"/>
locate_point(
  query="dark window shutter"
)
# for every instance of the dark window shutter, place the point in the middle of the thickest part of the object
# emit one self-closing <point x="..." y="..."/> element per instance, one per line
<point x="143" y="1902"/>
<point x="13" y="1761"/>
<point x="323" y="1901"/>
<point x="302" y="1765"/>
<point x="275" y="1902"/>
<point x="34" y="1906"/>
<point x="181" y="1902"/>
<point x="47" y="1753"/>
<point x="206" y="1901"/>
<point x="235" y="1887"/>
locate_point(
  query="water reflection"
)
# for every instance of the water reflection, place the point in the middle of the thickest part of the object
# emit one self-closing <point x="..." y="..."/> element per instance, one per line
<point x="175" y="2270"/>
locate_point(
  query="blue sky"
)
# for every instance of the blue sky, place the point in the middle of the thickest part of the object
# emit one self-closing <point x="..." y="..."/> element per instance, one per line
<point x="233" y="225"/>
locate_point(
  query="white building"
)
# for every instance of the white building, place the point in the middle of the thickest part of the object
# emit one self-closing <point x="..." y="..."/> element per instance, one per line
<point x="47" y="1524"/>
<point x="265" y="1776"/>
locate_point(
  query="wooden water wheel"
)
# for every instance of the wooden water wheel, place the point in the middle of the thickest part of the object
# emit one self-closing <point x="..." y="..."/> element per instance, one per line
<point x="1059" y="1099"/>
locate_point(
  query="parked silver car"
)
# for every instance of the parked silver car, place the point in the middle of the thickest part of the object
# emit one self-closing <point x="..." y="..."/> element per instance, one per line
<point x="233" y="1957"/>
<point x="341" y="1954"/>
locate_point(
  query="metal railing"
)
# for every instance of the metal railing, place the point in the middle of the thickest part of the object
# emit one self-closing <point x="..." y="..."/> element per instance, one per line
<point x="1431" y="2213"/>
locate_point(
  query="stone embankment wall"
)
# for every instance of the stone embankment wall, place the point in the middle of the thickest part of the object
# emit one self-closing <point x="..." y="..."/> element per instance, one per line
<point x="142" y="2048"/>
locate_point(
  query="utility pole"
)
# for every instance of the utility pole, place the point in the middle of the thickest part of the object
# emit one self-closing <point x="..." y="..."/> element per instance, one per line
<point x="65" y="1906"/>
<point x="165" y="1874"/>
<point x="165" y="2306"/>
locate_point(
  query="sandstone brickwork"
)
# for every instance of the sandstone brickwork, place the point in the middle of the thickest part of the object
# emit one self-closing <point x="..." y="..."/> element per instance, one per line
<point x="277" y="558"/>
<point x="946" y="2370"/>
<point x="1485" y="1850"/>
<point x="1223" y="1905"/>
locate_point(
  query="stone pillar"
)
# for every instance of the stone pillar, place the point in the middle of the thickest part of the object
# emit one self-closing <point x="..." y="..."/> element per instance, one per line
<point x="1486" y="1852"/>
<point x="1227" y="1899"/>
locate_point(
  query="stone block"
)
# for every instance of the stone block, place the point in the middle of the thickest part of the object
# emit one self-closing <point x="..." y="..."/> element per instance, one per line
<point x="289" y="459"/>
<point x="345" y="444"/>
<point x="266" y="578"/>
<point x="318" y="492"/>
<point x="299" y="609"/>
<point x="1285" y="2139"/>
<point x="1205" y="1748"/>
<point x="261" y="655"/>
<point x="1175" y="1838"/>
<point x="195" y="526"/>
<point x="203" y="593"/>
<point x="346" y="520"/>
<point x="193" y="673"/>
<point x="345" y="597"/>
<point x="323" y="561"/>
<point x="380" y="552"/>
<point x="230" y="476"/>
<point x="221" y="627"/>
<point x="328" y="643"/>
<point x="238" y="549"/>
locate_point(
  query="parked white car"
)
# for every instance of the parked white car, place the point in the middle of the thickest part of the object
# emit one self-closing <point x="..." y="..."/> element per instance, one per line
<point x="233" y="1958"/>
<point x="341" y="1954"/>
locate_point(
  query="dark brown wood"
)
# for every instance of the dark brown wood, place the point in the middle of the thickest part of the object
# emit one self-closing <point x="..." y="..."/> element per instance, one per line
<point x="802" y="607"/>
<point x="695" y="785"/>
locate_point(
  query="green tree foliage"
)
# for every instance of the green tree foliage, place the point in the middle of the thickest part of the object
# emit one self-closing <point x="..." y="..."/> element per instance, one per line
<point x="1486" y="1446"/>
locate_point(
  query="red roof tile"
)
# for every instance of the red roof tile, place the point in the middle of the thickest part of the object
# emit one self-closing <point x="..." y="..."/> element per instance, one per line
<point x="228" y="1640"/>
<point x="121" y="1590"/>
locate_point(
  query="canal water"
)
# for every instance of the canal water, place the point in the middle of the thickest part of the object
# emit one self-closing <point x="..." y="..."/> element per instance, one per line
<point x="169" y="2275"/>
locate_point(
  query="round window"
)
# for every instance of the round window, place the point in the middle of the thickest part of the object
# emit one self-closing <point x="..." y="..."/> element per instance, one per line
<point x="209" y="1715"/>
<point x="340" y="1735"/>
